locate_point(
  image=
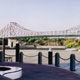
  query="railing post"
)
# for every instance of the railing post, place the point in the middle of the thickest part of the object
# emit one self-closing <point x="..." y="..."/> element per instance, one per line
<point x="17" y="51"/>
<point x="1" y="56"/>
<point x="40" y="58"/>
<point x="57" y="60"/>
<point x="72" y="62"/>
<point x="21" y="57"/>
<point x="50" y="57"/>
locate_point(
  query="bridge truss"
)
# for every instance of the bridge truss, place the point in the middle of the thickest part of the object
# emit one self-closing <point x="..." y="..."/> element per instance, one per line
<point x="15" y="30"/>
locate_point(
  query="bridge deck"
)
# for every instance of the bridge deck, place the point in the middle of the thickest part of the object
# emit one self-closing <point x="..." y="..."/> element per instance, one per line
<point x="42" y="72"/>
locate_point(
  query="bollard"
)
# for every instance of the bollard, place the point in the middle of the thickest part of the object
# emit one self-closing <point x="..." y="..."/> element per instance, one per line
<point x="50" y="57"/>
<point x="57" y="60"/>
<point x="40" y="58"/>
<point x="21" y="57"/>
<point x="1" y="56"/>
<point x="17" y="52"/>
<point x="72" y="62"/>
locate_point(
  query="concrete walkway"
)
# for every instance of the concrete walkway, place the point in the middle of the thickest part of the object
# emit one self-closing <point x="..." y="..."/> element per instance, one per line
<point x="42" y="72"/>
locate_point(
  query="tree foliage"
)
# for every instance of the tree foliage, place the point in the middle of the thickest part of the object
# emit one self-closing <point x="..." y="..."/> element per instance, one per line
<point x="68" y="42"/>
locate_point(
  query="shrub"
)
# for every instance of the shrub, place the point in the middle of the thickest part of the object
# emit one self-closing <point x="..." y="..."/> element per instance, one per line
<point x="71" y="45"/>
<point x="67" y="42"/>
<point x="78" y="47"/>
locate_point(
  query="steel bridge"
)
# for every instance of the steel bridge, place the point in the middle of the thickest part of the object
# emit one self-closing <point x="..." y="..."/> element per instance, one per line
<point x="15" y="30"/>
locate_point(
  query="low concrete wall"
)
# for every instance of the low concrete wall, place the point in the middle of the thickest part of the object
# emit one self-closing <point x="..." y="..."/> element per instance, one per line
<point x="27" y="47"/>
<point x="7" y="47"/>
<point x="53" y="47"/>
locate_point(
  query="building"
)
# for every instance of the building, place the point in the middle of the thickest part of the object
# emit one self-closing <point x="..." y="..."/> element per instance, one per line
<point x="12" y="43"/>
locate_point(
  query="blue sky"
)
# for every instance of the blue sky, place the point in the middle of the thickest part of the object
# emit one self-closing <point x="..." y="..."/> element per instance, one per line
<point x="41" y="15"/>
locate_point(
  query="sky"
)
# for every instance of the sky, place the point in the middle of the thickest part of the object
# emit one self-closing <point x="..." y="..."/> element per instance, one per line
<point x="40" y="15"/>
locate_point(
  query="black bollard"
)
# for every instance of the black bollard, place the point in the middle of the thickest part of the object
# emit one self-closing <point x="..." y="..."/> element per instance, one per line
<point x="50" y="57"/>
<point x="39" y="58"/>
<point x="72" y="62"/>
<point x="1" y="56"/>
<point x="57" y="60"/>
<point x="21" y="57"/>
<point x="17" y="52"/>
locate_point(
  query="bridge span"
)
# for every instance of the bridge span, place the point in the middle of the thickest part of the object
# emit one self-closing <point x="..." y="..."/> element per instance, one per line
<point x="15" y="30"/>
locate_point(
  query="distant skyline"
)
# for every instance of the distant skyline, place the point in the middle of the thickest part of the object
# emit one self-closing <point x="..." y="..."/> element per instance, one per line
<point x="40" y="15"/>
